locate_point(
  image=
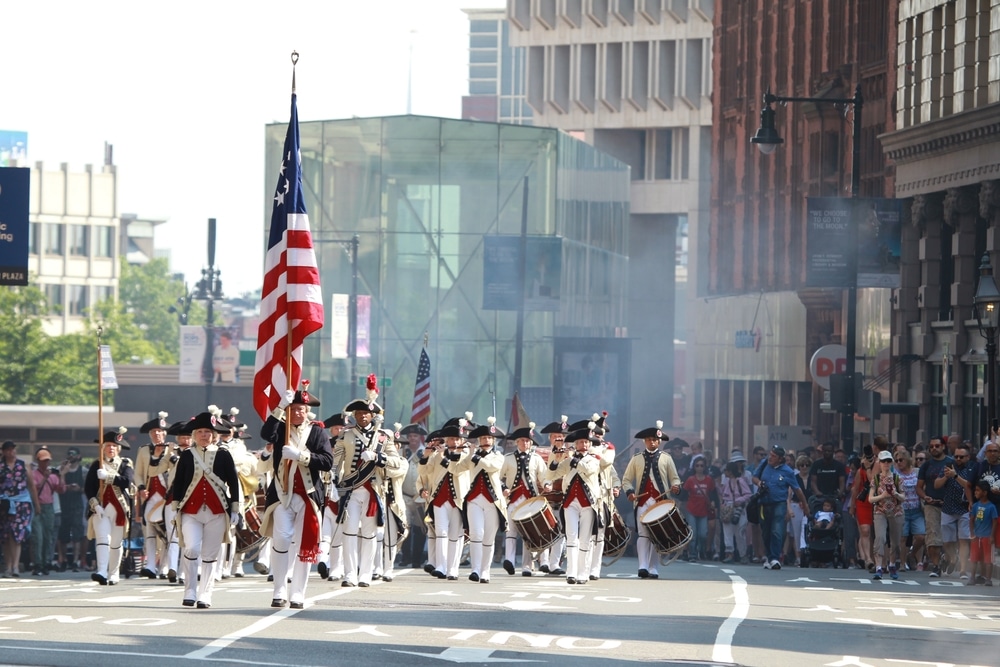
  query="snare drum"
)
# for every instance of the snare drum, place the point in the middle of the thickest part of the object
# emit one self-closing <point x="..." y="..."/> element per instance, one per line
<point x="667" y="528"/>
<point x="537" y="523"/>
<point x="248" y="535"/>
<point x="616" y="536"/>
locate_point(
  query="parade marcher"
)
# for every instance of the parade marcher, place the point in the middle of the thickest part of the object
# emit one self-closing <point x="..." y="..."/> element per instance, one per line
<point x="331" y="542"/>
<point x="246" y="470"/>
<point x="109" y="495"/>
<point x="17" y="488"/>
<point x="550" y="558"/>
<point x="205" y="496"/>
<point x="580" y="475"/>
<point x="49" y="484"/>
<point x="485" y="505"/>
<point x="358" y="462"/>
<point x="447" y="480"/>
<point x="152" y="470"/>
<point x="649" y="477"/>
<point x="183" y="442"/>
<point x="413" y="546"/>
<point x="292" y="519"/>
<point x="524" y="475"/>
<point x="610" y="486"/>
<point x="396" y="526"/>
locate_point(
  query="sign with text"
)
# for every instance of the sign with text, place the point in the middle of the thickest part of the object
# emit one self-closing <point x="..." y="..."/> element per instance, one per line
<point x="502" y="280"/>
<point x="340" y="326"/>
<point x="192" y="362"/>
<point x="842" y="229"/>
<point x="14" y="189"/>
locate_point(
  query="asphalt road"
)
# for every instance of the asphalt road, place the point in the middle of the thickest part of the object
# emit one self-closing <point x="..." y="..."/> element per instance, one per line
<point x="694" y="614"/>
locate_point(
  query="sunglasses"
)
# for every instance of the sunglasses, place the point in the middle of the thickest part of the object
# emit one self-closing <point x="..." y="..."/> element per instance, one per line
<point x="900" y="460"/>
<point x="921" y="458"/>
<point x="961" y="456"/>
<point x="803" y="465"/>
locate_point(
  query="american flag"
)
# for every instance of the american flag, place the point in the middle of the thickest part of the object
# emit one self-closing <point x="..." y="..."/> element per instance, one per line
<point x="422" y="390"/>
<point x="291" y="304"/>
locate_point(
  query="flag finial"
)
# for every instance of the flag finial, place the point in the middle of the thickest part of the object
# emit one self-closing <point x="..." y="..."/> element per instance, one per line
<point x="295" y="61"/>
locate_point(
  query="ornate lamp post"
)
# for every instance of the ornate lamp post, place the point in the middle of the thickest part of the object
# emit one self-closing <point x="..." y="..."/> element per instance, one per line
<point x="988" y="316"/>
<point x="767" y="140"/>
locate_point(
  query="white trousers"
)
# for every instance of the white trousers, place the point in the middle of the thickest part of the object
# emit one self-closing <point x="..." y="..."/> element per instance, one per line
<point x="358" y="537"/>
<point x="510" y="540"/>
<point x="449" y="534"/>
<point x="579" y="529"/>
<point x="484" y="520"/>
<point x="108" y="543"/>
<point x="285" y="541"/>
<point x="153" y="546"/>
<point x="596" y="552"/>
<point x="649" y="558"/>
<point x="202" y="534"/>
<point x="331" y="544"/>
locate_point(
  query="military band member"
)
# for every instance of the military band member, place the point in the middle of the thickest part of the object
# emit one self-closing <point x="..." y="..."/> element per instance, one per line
<point x="446" y="485"/>
<point x="610" y="485"/>
<point x="413" y="546"/>
<point x="152" y="469"/>
<point x="246" y="470"/>
<point x="485" y="505"/>
<point x="108" y="487"/>
<point x="183" y="440"/>
<point x="396" y="526"/>
<point x="331" y="543"/>
<point x="648" y="478"/>
<point x="550" y="558"/>
<point x="206" y="501"/>
<point x="358" y="460"/>
<point x="579" y="474"/>
<point x="296" y="493"/>
<point x="523" y="476"/>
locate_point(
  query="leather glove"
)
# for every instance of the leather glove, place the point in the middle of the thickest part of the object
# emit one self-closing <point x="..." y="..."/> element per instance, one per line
<point x="575" y="462"/>
<point x="475" y="458"/>
<point x="368" y="455"/>
<point x="174" y="458"/>
<point x="290" y="453"/>
<point x="235" y="519"/>
<point x="444" y="461"/>
<point x="102" y="474"/>
<point x="455" y="456"/>
<point x="287" y="399"/>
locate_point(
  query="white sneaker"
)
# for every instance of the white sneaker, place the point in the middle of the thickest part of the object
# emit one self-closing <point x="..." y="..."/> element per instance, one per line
<point x="775" y="564"/>
<point x="767" y="564"/>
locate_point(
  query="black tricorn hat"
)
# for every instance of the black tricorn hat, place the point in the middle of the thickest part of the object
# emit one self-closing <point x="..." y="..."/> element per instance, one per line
<point x="336" y="419"/>
<point x="160" y="421"/>
<point x="177" y="428"/>
<point x="364" y="406"/>
<point x="582" y="434"/>
<point x="434" y="435"/>
<point x="561" y="426"/>
<point x="451" y="431"/>
<point x="303" y="397"/>
<point x="489" y="428"/>
<point x="206" y="420"/>
<point x="523" y="432"/>
<point x="413" y="428"/>
<point x="116" y="437"/>
<point x="652" y="432"/>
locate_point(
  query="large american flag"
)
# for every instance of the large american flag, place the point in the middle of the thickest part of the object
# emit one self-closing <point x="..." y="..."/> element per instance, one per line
<point x="422" y="390"/>
<point x="291" y="304"/>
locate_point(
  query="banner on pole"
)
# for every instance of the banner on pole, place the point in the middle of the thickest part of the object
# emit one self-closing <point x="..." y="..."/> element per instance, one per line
<point x="108" y="379"/>
<point x="192" y="362"/>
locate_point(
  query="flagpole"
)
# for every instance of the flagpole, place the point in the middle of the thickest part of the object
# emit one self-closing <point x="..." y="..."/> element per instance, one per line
<point x="100" y="395"/>
<point x="289" y="342"/>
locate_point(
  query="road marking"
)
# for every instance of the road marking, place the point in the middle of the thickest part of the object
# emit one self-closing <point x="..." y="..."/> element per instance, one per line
<point x="882" y="625"/>
<point x="472" y="655"/>
<point x="849" y="661"/>
<point x="362" y="629"/>
<point x="824" y="607"/>
<point x="723" y="649"/>
<point x="520" y="605"/>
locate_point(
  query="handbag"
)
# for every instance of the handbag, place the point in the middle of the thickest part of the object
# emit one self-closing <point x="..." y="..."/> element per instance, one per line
<point x="866" y="488"/>
<point x="727" y="513"/>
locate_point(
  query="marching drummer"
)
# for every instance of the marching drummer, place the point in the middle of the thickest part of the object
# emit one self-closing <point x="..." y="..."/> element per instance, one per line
<point x="485" y="505"/>
<point x="647" y="479"/>
<point x="523" y="476"/>
<point x="549" y="559"/>
<point x="331" y="543"/>
<point x="447" y="484"/>
<point x="580" y="474"/>
<point x="152" y="468"/>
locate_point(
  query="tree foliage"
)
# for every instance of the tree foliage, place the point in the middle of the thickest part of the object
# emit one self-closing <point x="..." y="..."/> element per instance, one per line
<point x="147" y="293"/>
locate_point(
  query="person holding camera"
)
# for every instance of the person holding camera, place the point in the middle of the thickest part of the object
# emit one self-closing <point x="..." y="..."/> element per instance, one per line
<point x="931" y="482"/>
<point x="886" y="496"/>
<point x="736" y="492"/>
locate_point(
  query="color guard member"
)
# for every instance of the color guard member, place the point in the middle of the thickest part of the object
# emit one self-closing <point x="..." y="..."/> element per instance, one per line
<point x="109" y="495"/>
<point x="152" y="469"/>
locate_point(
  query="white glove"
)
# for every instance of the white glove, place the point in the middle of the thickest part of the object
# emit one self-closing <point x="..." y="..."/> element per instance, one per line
<point x="368" y="455"/>
<point x="99" y="512"/>
<point x="234" y="518"/>
<point x="102" y="474"/>
<point x="287" y="399"/>
<point x="290" y="453"/>
<point x="333" y="493"/>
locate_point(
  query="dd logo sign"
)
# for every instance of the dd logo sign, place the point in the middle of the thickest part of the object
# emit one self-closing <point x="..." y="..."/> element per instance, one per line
<point x="826" y="361"/>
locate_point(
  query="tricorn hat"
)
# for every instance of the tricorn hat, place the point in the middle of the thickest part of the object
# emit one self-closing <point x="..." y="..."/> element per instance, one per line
<point x="303" y="397"/>
<point x="177" y="428"/>
<point x="206" y="420"/>
<point x="652" y="432"/>
<point x="582" y="434"/>
<point x="561" y="426"/>
<point x="413" y="428"/>
<point x="523" y="432"/>
<point x="489" y="428"/>
<point x="336" y="419"/>
<point x="369" y="402"/>
<point x="115" y="437"/>
<point x="160" y="421"/>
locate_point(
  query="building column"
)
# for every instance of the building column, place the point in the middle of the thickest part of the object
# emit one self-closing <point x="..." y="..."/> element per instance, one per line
<point x="906" y="309"/>
<point x="961" y="208"/>
<point x="928" y="215"/>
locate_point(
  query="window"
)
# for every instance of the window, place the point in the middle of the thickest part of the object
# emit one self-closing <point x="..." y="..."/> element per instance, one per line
<point x="483" y="41"/>
<point x="77" y="299"/>
<point x="77" y="240"/>
<point x="33" y="238"/>
<point x="482" y="88"/>
<point x="488" y="56"/>
<point x="482" y="26"/>
<point x="482" y="71"/>
<point x="104" y="243"/>
<point x="54" y="295"/>
<point x="103" y="293"/>
<point x="52" y="239"/>
<point x="662" y="153"/>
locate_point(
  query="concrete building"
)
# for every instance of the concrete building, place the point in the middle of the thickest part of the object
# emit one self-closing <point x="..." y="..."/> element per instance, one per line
<point x="496" y="71"/>
<point x="634" y="79"/>
<point x="946" y="153"/>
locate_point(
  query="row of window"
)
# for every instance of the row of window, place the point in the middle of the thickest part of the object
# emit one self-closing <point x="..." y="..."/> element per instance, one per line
<point x="75" y="299"/>
<point x="576" y="13"/>
<point x="52" y="238"/>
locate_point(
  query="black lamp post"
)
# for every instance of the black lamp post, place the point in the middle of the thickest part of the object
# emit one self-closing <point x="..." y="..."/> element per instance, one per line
<point x="767" y="139"/>
<point x="209" y="289"/>
<point x="988" y="316"/>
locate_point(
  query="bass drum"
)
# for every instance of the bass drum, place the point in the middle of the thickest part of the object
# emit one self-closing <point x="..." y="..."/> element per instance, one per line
<point x="616" y="536"/>
<point x="667" y="528"/>
<point x="537" y="523"/>
<point x="248" y="535"/>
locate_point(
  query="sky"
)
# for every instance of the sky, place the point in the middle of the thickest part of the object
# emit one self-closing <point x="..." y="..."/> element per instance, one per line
<point x="183" y="90"/>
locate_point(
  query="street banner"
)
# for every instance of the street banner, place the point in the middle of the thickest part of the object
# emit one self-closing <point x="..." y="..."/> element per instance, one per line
<point x="837" y="227"/>
<point x="108" y="379"/>
<point x="14" y="190"/>
<point x="502" y="272"/>
<point x="192" y="361"/>
<point x="340" y="326"/>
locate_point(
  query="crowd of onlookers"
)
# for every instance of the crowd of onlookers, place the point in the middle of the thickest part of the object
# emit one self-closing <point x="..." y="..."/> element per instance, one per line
<point x="891" y="508"/>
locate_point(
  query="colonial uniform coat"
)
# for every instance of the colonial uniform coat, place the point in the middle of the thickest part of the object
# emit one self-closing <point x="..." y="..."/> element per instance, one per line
<point x="485" y="508"/>
<point x="524" y="474"/>
<point x="447" y="483"/>
<point x="152" y="475"/>
<point x="362" y="505"/>
<point x="110" y="503"/>
<point x="649" y="475"/>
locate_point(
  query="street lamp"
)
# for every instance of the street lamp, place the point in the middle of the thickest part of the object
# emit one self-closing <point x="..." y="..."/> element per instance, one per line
<point x="767" y="139"/>
<point x="988" y="315"/>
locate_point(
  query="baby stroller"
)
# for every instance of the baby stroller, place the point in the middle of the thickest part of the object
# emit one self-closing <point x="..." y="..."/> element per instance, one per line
<point x="824" y="544"/>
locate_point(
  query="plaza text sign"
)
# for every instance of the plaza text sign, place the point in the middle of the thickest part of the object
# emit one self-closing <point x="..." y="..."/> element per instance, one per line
<point x="14" y="186"/>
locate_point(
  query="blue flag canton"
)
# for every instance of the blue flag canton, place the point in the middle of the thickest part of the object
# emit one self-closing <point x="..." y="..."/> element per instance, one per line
<point x="288" y="193"/>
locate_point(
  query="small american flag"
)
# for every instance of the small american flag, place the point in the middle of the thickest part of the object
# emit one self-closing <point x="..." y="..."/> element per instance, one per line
<point x="291" y="304"/>
<point x="422" y="390"/>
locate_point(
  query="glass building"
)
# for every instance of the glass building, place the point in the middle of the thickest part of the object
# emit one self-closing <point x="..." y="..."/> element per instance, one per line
<point x="445" y="234"/>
